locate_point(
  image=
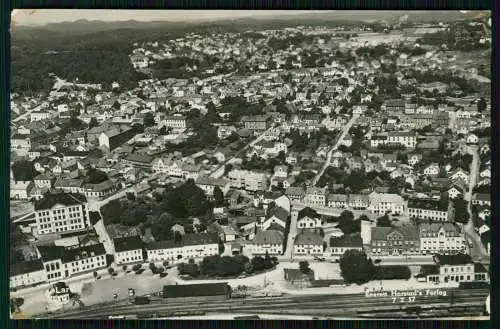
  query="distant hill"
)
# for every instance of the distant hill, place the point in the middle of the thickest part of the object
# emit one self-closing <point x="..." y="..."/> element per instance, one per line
<point x="91" y="26"/>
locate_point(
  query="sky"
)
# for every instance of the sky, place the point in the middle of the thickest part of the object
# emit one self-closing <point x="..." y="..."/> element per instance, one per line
<point x="31" y="17"/>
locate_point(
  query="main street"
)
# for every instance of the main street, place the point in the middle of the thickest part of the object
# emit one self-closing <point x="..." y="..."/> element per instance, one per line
<point x="337" y="305"/>
<point x="478" y="251"/>
<point x="345" y="130"/>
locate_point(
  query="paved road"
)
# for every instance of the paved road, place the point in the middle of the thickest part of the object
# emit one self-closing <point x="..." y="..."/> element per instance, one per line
<point x="291" y="235"/>
<point x="345" y="130"/>
<point x="318" y="304"/>
<point x="219" y="172"/>
<point x="478" y="251"/>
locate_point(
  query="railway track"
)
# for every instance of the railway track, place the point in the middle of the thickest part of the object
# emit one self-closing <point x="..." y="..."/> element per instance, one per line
<point x="333" y="305"/>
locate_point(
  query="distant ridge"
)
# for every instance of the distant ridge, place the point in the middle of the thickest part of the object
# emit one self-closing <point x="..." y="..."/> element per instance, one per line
<point x="91" y="26"/>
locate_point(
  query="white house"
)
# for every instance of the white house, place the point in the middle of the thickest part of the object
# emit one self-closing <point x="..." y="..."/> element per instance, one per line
<point x="308" y="243"/>
<point x="196" y="246"/>
<point x="128" y="250"/>
<point x="270" y="242"/>
<point x="339" y="245"/>
<point x="382" y="203"/>
<point x="308" y="218"/>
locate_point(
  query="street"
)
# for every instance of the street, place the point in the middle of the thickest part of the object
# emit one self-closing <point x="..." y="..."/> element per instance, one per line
<point x="478" y="251"/>
<point x="345" y="130"/>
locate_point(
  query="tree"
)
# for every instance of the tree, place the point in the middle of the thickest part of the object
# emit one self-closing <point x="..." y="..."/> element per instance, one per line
<point x="304" y="266"/>
<point x="258" y="263"/>
<point x="93" y="123"/>
<point x="355" y="267"/>
<point x="23" y="170"/>
<point x="218" y="197"/>
<point x="384" y="221"/>
<point x="124" y="267"/>
<point x="95" y="274"/>
<point x="222" y="247"/>
<point x="95" y="176"/>
<point x="152" y="267"/>
<point x="149" y="119"/>
<point x="481" y="104"/>
<point x="461" y="211"/>
<point x="111" y="270"/>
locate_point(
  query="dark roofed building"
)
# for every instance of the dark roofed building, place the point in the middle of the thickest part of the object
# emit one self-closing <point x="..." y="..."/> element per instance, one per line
<point x="28" y="273"/>
<point x="65" y="199"/>
<point x="128" y="243"/>
<point x="308" y="243"/>
<point x="220" y="290"/>
<point x="128" y="249"/>
<point x="460" y="259"/>
<point x="339" y="245"/>
<point x="139" y="160"/>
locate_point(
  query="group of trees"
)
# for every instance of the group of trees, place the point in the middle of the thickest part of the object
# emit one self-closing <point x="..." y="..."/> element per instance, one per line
<point x="23" y="170"/>
<point x="461" y="210"/>
<point x="347" y="223"/>
<point x="226" y="266"/>
<point x="175" y="206"/>
<point x="92" y="58"/>
<point x="356" y="267"/>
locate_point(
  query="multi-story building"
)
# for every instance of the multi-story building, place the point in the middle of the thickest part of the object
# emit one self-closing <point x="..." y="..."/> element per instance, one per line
<point x="395" y="241"/>
<point x="440" y="238"/>
<point x="383" y="203"/>
<point x="358" y="201"/>
<point x="430" y="209"/>
<point x="270" y="242"/>
<point x="405" y="138"/>
<point x="61" y="212"/>
<point x="28" y="273"/>
<point x="337" y="200"/>
<point x="339" y="245"/>
<point x="175" y="122"/>
<point x="194" y="246"/>
<point x="394" y="105"/>
<point x="208" y="184"/>
<point x="247" y="180"/>
<point x="296" y="194"/>
<point x="308" y="243"/>
<point x="115" y="137"/>
<point x="458" y="268"/>
<point x="481" y="199"/>
<point x="128" y="249"/>
<point x="256" y="122"/>
<point x="61" y="262"/>
<point x="316" y="196"/>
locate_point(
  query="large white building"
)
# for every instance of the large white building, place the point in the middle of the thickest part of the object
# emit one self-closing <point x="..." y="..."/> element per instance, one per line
<point x="458" y="268"/>
<point x="440" y="238"/>
<point x="382" y="203"/>
<point x="208" y="184"/>
<point x="407" y="139"/>
<point x="430" y="209"/>
<point x="61" y="212"/>
<point x="62" y="262"/>
<point x="128" y="250"/>
<point x="196" y="246"/>
<point x="247" y="180"/>
<point x="175" y="122"/>
<point x="316" y="196"/>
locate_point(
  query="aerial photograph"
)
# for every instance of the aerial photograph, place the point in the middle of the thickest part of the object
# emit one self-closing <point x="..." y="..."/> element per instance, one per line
<point x="224" y="164"/>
